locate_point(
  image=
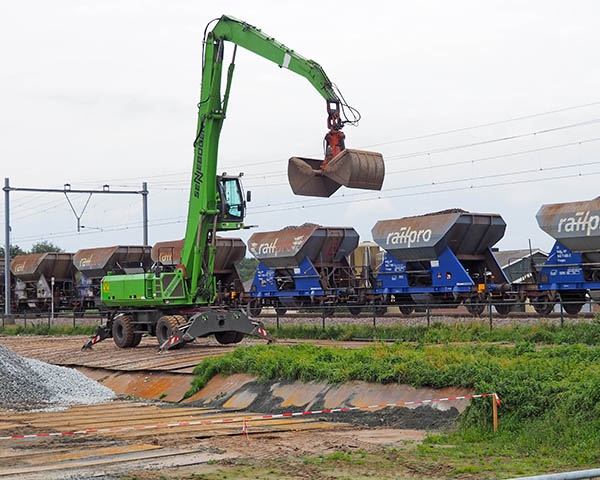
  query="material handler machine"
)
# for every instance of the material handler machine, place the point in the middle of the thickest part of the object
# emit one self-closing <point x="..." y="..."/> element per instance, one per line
<point x="174" y="302"/>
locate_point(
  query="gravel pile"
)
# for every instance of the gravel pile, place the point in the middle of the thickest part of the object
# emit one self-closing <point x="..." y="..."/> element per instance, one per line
<point x="27" y="384"/>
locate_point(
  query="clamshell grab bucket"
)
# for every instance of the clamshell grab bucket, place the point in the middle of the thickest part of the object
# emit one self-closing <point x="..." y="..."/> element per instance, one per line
<point x="351" y="168"/>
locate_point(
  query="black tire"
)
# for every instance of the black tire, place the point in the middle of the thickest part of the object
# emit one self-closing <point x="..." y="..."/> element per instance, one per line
<point x="228" y="337"/>
<point x="166" y="325"/>
<point x="123" y="333"/>
<point x="137" y="339"/>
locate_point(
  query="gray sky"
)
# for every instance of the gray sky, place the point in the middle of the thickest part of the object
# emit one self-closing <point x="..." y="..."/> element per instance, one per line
<point x="97" y="93"/>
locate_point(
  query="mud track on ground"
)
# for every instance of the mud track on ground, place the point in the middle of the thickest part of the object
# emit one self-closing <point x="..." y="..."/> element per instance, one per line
<point x="152" y="391"/>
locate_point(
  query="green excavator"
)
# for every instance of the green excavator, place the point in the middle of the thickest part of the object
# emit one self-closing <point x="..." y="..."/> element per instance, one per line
<point x="174" y="304"/>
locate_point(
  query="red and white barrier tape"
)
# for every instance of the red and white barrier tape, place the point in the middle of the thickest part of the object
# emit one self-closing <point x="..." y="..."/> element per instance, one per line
<point x="248" y="418"/>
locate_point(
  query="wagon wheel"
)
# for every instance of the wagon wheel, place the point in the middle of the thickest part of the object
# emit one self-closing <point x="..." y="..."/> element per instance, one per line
<point x="573" y="308"/>
<point x="573" y="302"/>
<point x="255" y="308"/>
<point x="503" y="308"/>
<point x="328" y="310"/>
<point x="474" y="306"/>
<point x="542" y="305"/>
<point x="380" y="308"/>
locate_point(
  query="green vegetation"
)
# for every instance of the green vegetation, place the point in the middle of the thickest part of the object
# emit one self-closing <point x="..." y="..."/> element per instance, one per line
<point x="473" y="331"/>
<point x="45" y="329"/>
<point x="40" y="247"/>
<point x="247" y="268"/>
<point x="550" y="412"/>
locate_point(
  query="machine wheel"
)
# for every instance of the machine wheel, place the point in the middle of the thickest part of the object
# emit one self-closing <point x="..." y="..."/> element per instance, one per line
<point x="474" y="306"/>
<point x="542" y="305"/>
<point x="503" y="308"/>
<point x="165" y="327"/>
<point x="137" y="339"/>
<point x="122" y="332"/>
<point x="328" y="310"/>
<point x="228" y="337"/>
<point x="406" y="309"/>
<point x="280" y="311"/>
<point x="355" y="310"/>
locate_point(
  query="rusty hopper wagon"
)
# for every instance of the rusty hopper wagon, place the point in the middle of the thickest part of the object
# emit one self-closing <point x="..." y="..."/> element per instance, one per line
<point x="302" y="266"/>
<point x="229" y="252"/>
<point x="572" y="270"/>
<point x="43" y="279"/>
<point x="441" y="259"/>
<point x="92" y="264"/>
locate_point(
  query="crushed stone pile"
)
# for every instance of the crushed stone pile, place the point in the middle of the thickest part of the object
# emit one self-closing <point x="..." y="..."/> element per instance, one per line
<point x="27" y="384"/>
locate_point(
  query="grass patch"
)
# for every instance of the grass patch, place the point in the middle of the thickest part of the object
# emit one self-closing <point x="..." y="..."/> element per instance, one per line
<point x="550" y="394"/>
<point x="471" y="331"/>
<point x="45" y="329"/>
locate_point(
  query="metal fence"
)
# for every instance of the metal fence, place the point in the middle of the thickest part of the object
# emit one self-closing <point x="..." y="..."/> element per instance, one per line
<point x="575" y="475"/>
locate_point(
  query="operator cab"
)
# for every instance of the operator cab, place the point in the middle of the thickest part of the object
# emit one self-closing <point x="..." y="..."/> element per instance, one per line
<point x="231" y="204"/>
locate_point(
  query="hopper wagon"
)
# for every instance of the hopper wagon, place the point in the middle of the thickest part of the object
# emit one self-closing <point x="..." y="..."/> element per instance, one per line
<point x="441" y="259"/>
<point x="303" y="266"/>
<point x="229" y="252"/>
<point x="43" y="281"/>
<point x="93" y="264"/>
<point x="571" y="274"/>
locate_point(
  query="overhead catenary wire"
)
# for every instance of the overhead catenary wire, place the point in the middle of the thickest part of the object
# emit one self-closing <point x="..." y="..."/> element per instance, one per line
<point x="466" y="145"/>
<point x="402" y="140"/>
<point x="344" y="199"/>
<point x="471" y="161"/>
<point x="430" y="188"/>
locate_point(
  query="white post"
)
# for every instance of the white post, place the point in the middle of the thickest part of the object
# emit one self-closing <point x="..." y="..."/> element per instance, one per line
<point x="52" y="298"/>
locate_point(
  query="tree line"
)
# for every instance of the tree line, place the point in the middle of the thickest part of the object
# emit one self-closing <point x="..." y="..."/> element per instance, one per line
<point x="40" y="247"/>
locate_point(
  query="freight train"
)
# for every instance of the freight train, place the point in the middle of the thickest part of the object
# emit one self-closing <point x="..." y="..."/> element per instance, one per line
<point x="73" y="281"/>
<point x="437" y="260"/>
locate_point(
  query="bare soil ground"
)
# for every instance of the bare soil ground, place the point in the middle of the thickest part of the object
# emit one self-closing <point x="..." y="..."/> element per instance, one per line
<point x="314" y="446"/>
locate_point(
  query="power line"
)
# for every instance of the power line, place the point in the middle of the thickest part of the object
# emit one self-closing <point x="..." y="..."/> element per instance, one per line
<point x="402" y="140"/>
<point x="344" y="200"/>
<point x="482" y="125"/>
<point x="466" y="145"/>
<point x="467" y="162"/>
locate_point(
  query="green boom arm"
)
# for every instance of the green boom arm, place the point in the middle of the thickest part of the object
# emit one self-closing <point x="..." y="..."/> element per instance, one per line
<point x="199" y="245"/>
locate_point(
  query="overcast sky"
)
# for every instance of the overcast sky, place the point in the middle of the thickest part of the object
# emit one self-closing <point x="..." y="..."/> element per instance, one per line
<point x="492" y="107"/>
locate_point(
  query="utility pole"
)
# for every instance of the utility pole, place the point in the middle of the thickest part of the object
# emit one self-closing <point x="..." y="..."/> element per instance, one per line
<point x="66" y="190"/>
<point x="6" y="247"/>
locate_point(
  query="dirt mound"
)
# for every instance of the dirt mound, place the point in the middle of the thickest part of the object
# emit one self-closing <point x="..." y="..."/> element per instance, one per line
<point x="245" y="393"/>
<point x="31" y="384"/>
